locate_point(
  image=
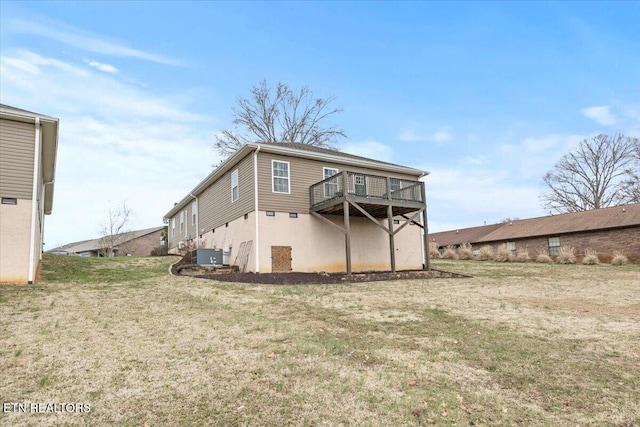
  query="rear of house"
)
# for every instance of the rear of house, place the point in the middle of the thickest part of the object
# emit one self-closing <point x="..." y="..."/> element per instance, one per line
<point x="258" y="207"/>
<point x="28" y="145"/>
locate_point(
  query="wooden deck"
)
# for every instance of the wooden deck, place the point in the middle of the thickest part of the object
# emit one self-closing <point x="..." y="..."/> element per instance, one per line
<point x="352" y="194"/>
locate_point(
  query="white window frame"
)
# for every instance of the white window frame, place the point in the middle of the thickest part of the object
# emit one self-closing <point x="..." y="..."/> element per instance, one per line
<point x="182" y="215"/>
<point x="330" y="184"/>
<point x="235" y="189"/>
<point x="556" y="248"/>
<point x="173" y="226"/>
<point x="512" y="247"/>
<point x="194" y="212"/>
<point x="274" y="177"/>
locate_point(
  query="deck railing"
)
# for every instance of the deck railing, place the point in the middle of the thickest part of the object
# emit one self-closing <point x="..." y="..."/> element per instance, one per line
<point x="365" y="185"/>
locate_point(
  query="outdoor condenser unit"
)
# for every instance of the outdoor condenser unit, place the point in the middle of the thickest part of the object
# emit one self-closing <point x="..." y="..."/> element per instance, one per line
<point x="206" y="256"/>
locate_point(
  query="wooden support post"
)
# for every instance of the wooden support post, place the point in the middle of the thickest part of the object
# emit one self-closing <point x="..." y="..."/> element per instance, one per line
<point x="345" y="183"/>
<point x="347" y="236"/>
<point x="392" y="245"/>
<point x="425" y="229"/>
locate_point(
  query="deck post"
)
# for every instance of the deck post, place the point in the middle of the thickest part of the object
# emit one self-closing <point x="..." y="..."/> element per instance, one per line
<point x="425" y="229"/>
<point x="392" y="244"/>
<point x="347" y="235"/>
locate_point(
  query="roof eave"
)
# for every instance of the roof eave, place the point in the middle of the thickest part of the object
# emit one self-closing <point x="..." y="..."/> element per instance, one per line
<point x="274" y="148"/>
<point x="211" y="178"/>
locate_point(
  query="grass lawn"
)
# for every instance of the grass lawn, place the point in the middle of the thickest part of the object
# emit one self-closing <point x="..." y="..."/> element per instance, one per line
<point x="518" y="344"/>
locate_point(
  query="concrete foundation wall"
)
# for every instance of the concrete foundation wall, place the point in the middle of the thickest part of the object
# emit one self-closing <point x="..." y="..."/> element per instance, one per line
<point x="239" y="230"/>
<point x="15" y="227"/>
<point x="316" y="246"/>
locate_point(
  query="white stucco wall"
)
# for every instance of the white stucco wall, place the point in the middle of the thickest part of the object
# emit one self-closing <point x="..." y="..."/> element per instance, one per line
<point x="316" y="246"/>
<point x="239" y="230"/>
<point x="15" y="227"/>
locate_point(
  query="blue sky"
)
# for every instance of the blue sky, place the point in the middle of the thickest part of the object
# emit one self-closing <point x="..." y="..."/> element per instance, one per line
<point x="485" y="96"/>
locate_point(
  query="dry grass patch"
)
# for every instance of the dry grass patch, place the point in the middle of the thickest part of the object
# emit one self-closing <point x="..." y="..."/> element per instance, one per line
<point x="503" y="254"/>
<point x="619" y="258"/>
<point x="519" y="344"/>
<point x="543" y="257"/>
<point x="567" y="255"/>
<point x="465" y="251"/>
<point x="590" y="257"/>
<point x="486" y="253"/>
<point x="449" y="253"/>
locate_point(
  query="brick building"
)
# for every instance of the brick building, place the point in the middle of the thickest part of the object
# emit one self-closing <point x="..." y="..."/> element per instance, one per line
<point x="134" y="243"/>
<point x="603" y="230"/>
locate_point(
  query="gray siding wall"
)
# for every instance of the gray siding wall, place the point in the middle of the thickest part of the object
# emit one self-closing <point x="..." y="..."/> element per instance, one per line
<point x="215" y="206"/>
<point x="16" y="159"/>
<point x="303" y="173"/>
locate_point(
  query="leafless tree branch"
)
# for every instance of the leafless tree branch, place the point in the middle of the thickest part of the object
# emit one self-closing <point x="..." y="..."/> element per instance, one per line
<point x="283" y="116"/>
<point x="113" y="229"/>
<point x="597" y="174"/>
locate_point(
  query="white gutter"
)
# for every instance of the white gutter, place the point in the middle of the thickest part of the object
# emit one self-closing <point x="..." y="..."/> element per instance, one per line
<point x="44" y="185"/>
<point x="255" y="207"/>
<point x="197" y="221"/>
<point x="34" y="201"/>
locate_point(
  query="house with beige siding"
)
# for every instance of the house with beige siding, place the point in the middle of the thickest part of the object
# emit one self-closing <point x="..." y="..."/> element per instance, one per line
<point x="294" y="207"/>
<point x="28" y="145"/>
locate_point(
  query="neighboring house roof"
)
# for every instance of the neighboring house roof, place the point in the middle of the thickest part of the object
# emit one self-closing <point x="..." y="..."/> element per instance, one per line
<point x="463" y="235"/>
<point x="49" y="127"/>
<point x="94" y="244"/>
<point x="293" y="150"/>
<point x="596" y="219"/>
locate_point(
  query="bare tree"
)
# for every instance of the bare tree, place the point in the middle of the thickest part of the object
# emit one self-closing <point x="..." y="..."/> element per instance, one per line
<point x="113" y="229"/>
<point x="283" y="116"/>
<point x="592" y="176"/>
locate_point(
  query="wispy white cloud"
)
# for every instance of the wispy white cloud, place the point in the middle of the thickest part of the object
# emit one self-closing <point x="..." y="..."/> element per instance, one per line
<point x="371" y="149"/>
<point x="440" y="136"/>
<point x="107" y="68"/>
<point x="600" y="114"/>
<point x="117" y="142"/>
<point x="411" y="135"/>
<point x="99" y="90"/>
<point x="461" y="198"/>
<point x="83" y="40"/>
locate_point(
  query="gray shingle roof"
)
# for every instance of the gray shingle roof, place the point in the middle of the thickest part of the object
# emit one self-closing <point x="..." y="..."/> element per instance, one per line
<point x="314" y="149"/>
<point x="596" y="219"/>
<point x="94" y="244"/>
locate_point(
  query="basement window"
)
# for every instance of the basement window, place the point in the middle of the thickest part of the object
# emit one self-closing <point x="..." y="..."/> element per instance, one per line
<point x="293" y="215"/>
<point x="246" y="216"/>
<point x="396" y="221"/>
<point x="554" y="246"/>
<point x="9" y="201"/>
<point x="271" y="213"/>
